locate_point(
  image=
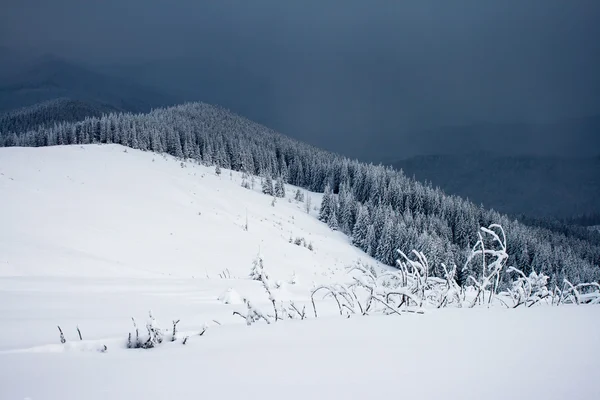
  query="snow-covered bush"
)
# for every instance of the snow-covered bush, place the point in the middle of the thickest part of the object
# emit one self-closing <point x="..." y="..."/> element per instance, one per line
<point x="583" y="293"/>
<point x="528" y="290"/>
<point x="493" y="261"/>
<point x="258" y="272"/>
<point x="294" y="279"/>
<point x="252" y="314"/>
<point x="230" y="296"/>
<point x="148" y="339"/>
<point x="412" y="286"/>
<point x="299" y="196"/>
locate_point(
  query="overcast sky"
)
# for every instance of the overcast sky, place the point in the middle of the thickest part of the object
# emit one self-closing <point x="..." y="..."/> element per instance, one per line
<point x="346" y="70"/>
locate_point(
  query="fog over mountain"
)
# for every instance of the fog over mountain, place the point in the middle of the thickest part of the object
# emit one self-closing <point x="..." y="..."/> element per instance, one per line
<point x="381" y="82"/>
<point x="363" y="79"/>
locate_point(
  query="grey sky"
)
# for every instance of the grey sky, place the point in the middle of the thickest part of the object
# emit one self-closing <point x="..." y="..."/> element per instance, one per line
<point x="329" y="71"/>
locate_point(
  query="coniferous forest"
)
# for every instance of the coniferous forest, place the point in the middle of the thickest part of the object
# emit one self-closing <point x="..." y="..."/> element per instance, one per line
<point x="380" y="208"/>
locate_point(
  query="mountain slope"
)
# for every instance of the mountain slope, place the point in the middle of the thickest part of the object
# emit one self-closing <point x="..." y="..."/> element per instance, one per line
<point x="50" y="77"/>
<point x="379" y="207"/>
<point x="109" y="211"/>
<point x="94" y="235"/>
<point x="535" y="186"/>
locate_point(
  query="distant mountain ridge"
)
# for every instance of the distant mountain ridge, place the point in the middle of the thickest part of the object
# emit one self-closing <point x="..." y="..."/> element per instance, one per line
<point x="535" y="186"/>
<point x="570" y="137"/>
<point x="49" y="78"/>
<point x="50" y="112"/>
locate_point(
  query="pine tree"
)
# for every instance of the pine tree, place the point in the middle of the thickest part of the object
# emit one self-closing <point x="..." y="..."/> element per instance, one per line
<point x="258" y="272"/>
<point x="370" y="241"/>
<point x="332" y="222"/>
<point x="299" y="196"/>
<point x="386" y="253"/>
<point x="359" y="234"/>
<point x="326" y="205"/>
<point x="267" y="185"/>
<point x="279" y="188"/>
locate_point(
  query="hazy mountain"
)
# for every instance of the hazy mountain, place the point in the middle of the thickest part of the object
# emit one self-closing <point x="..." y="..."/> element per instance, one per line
<point x="572" y="137"/>
<point x="535" y="186"/>
<point x="52" y="111"/>
<point x="50" y="77"/>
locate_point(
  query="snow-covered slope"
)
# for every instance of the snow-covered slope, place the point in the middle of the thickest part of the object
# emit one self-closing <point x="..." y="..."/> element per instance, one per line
<point x="110" y="211"/>
<point x="92" y="236"/>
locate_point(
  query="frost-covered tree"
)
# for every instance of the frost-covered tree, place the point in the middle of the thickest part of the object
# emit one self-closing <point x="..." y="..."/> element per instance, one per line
<point x="327" y="205"/>
<point x="332" y="222"/>
<point x="299" y="196"/>
<point x="370" y="241"/>
<point x="359" y="234"/>
<point x="267" y="185"/>
<point x="279" y="190"/>
<point x="258" y="272"/>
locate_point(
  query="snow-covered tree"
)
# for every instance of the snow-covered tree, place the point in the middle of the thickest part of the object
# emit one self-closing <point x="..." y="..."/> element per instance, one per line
<point x="359" y="234"/>
<point x="327" y="205"/>
<point x="267" y="185"/>
<point x="258" y="272"/>
<point x="279" y="190"/>
<point x="299" y="196"/>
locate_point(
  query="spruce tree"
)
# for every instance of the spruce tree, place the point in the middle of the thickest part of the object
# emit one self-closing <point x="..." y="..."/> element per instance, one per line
<point x="359" y="234"/>
<point x="386" y="253"/>
<point x="370" y="241"/>
<point x="279" y="188"/>
<point x="267" y="185"/>
<point x="326" y="205"/>
<point x="332" y="222"/>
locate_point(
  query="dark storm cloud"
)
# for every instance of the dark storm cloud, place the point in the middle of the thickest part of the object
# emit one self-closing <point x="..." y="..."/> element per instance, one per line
<point x="353" y="76"/>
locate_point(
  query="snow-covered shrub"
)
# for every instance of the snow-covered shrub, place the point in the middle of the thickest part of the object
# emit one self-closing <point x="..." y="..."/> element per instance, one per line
<point x="145" y="340"/>
<point x="528" y="290"/>
<point x="258" y="272"/>
<point x="293" y="311"/>
<point x="300" y="241"/>
<point x="62" y="335"/>
<point x="299" y="196"/>
<point x="230" y="296"/>
<point x="225" y="274"/>
<point x="279" y="284"/>
<point x="583" y="293"/>
<point x="252" y="314"/>
<point x="493" y="261"/>
<point x="451" y="292"/>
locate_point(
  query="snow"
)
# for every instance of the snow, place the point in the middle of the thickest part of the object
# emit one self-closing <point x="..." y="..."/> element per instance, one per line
<point x="230" y="296"/>
<point x="91" y="236"/>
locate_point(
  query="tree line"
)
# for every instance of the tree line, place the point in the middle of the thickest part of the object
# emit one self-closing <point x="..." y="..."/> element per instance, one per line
<point x="380" y="208"/>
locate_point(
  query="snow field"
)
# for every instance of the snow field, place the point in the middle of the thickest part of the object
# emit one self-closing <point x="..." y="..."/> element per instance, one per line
<point x="91" y="236"/>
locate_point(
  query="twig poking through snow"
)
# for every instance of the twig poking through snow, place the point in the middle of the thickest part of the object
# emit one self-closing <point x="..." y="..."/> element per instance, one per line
<point x="62" y="336"/>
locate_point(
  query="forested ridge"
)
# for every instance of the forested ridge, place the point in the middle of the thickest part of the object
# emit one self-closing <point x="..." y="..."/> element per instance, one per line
<point x="378" y="207"/>
<point x="50" y="112"/>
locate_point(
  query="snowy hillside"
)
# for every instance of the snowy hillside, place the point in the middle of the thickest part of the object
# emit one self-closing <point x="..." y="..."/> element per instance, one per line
<point x="145" y="227"/>
<point x="91" y="236"/>
<point x="115" y="212"/>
